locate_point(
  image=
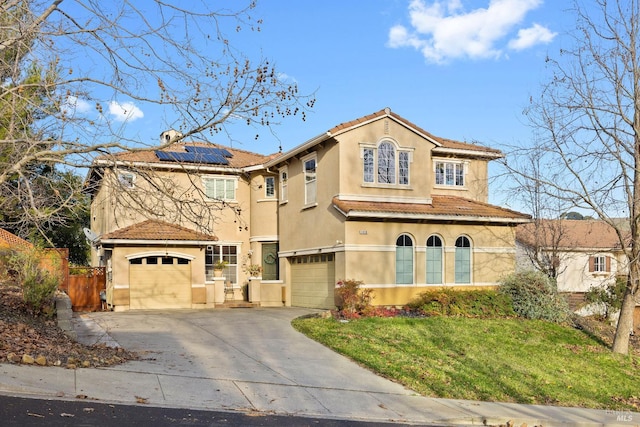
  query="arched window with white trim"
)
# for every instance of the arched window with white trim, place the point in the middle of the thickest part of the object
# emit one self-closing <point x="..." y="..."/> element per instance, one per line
<point x="463" y="260"/>
<point x="404" y="260"/>
<point x="386" y="163"/>
<point x="434" y="260"/>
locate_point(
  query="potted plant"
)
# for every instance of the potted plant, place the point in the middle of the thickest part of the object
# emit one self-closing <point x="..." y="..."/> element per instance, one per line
<point x="254" y="270"/>
<point x="218" y="266"/>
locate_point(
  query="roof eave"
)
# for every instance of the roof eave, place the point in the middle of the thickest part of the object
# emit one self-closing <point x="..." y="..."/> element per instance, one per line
<point x="155" y="242"/>
<point x="356" y="214"/>
<point x="177" y="166"/>
<point x="299" y="149"/>
<point x="460" y="151"/>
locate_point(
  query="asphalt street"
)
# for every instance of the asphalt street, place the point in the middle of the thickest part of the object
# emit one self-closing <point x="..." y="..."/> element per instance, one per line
<point x="27" y="412"/>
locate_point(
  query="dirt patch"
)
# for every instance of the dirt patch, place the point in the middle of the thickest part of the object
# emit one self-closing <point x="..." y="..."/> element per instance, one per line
<point x="30" y="338"/>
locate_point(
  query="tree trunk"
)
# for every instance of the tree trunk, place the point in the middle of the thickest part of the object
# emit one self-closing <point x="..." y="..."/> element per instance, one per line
<point x="625" y="322"/>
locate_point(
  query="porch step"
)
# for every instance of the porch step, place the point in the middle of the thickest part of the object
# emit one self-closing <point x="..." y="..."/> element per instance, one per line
<point x="238" y="304"/>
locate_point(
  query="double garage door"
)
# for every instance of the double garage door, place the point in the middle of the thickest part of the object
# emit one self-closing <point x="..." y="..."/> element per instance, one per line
<point x="157" y="282"/>
<point x="313" y="281"/>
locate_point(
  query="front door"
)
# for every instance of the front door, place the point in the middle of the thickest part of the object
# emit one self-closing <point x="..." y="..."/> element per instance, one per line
<point x="270" y="261"/>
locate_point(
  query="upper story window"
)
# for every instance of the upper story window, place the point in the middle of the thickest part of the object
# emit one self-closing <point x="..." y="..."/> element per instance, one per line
<point x="220" y="188"/>
<point x="270" y="187"/>
<point x="450" y="173"/>
<point x="385" y="164"/>
<point x="127" y="179"/>
<point x="599" y="264"/>
<point x="310" y="177"/>
<point x="284" y="182"/>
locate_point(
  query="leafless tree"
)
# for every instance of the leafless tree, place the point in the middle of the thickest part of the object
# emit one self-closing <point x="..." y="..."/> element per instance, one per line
<point x="64" y="63"/>
<point x="587" y="121"/>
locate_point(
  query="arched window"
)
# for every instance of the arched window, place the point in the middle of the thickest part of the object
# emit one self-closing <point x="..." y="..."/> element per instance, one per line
<point x="434" y="260"/>
<point x="463" y="260"/>
<point x="404" y="260"/>
<point x="386" y="163"/>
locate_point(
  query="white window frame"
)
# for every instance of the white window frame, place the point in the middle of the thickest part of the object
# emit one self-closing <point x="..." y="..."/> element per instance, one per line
<point x="270" y="187"/>
<point x="456" y="169"/>
<point x="368" y="165"/>
<point x="370" y="155"/>
<point x="228" y="180"/>
<point x="310" y="180"/>
<point x="600" y="264"/>
<point x="284" y="183"/>
<point x="127" y="179"/>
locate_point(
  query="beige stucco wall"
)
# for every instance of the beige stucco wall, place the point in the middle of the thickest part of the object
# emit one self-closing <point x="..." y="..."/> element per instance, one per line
<point x="574" y="275"/>
<point x="114" y="208"/>
<point x="422" y="175"/>
<point x="370" y="255"/>
<point x="316" y="226"/>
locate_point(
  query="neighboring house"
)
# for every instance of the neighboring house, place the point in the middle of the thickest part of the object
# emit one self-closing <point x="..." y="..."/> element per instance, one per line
<point x="377" y="199"/>
<point x="583" y="253"/>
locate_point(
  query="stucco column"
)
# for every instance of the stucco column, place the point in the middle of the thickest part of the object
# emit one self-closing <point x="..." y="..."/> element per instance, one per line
<point x="254" y="289"/>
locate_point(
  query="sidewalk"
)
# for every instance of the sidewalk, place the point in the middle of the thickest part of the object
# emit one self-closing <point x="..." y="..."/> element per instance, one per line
<point x="178" y="377"/>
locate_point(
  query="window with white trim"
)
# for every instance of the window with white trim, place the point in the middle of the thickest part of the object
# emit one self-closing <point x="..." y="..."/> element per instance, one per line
<point x="599" y="264"/>
<point x="310" y="179"/>
<point x="220" y="188"/>
<point x="463" y="260"/>
<point x="435" y="257"/>
<point x="368" y="166"/>
<point x="450" y="173"/>
<point x="385" y="164"/>
<point x="284" y="182"/>
<point x="404" y="260"/>
<point x="270" y="187"/>
<point x="228" y="253"/>
<point x="127" y="179"/>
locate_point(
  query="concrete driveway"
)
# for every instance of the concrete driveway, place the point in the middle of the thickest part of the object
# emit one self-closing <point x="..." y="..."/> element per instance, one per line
<point x="252" y="360"/>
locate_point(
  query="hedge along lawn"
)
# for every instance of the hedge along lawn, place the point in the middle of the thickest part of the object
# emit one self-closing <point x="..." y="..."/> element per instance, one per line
<point x="500" y="360"/>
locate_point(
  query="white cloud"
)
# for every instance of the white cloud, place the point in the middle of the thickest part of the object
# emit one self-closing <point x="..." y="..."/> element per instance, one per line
<point x="442" y="30"/>
<point x="125" y="111"/>
<point x="532" y="36"/>
<point x="74" y="105"/>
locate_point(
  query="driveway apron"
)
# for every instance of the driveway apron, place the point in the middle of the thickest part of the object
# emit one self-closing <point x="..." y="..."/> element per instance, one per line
<point x="247" y="359"/>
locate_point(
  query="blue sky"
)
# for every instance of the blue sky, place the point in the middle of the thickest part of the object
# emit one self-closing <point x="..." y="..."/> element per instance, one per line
<point x="463" y="70"/>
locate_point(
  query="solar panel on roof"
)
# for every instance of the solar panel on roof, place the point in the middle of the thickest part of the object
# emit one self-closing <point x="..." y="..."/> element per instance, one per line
<point x="214" y="159"/>
<point x="208" y="150"/>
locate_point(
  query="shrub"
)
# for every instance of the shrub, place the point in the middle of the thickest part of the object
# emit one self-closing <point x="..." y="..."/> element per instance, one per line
<point x="473" y="303"/>
<point x="38" y="284"/>
<point x="351" y="300"/>
<point x="610" y="296"/>
<point x="535" y="296"/>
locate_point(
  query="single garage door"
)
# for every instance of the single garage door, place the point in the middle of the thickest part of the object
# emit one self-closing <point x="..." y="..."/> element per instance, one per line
<point x="312" y="281"/>
<point x="159" y="282"/>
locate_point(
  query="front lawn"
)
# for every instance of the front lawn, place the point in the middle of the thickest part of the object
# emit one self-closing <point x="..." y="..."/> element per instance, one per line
<point x="505" y="360"/>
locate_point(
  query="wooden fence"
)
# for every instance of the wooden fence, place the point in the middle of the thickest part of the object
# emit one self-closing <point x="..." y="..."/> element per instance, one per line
<point x="85" y="286"/>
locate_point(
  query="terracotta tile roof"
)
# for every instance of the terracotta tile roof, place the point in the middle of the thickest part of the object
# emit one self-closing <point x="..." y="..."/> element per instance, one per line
<point x="240" y="158"/>
<point x="157" y="230"/>
<point x="441" y="206"/>
<point x="446" y="143"/>
<point x="569" y="234"/>
<point x="10" y="240"/>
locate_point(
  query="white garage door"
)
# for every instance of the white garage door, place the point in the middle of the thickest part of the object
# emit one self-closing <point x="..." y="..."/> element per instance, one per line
<point x="159" y="282"/>
<point x="313" y="281"/>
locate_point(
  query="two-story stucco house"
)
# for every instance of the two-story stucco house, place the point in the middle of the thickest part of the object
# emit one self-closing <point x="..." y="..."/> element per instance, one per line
<point x="377" y="199"/>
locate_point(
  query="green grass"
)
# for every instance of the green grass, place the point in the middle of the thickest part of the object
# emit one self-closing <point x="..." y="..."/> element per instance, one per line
<point x="500" y="360"/>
